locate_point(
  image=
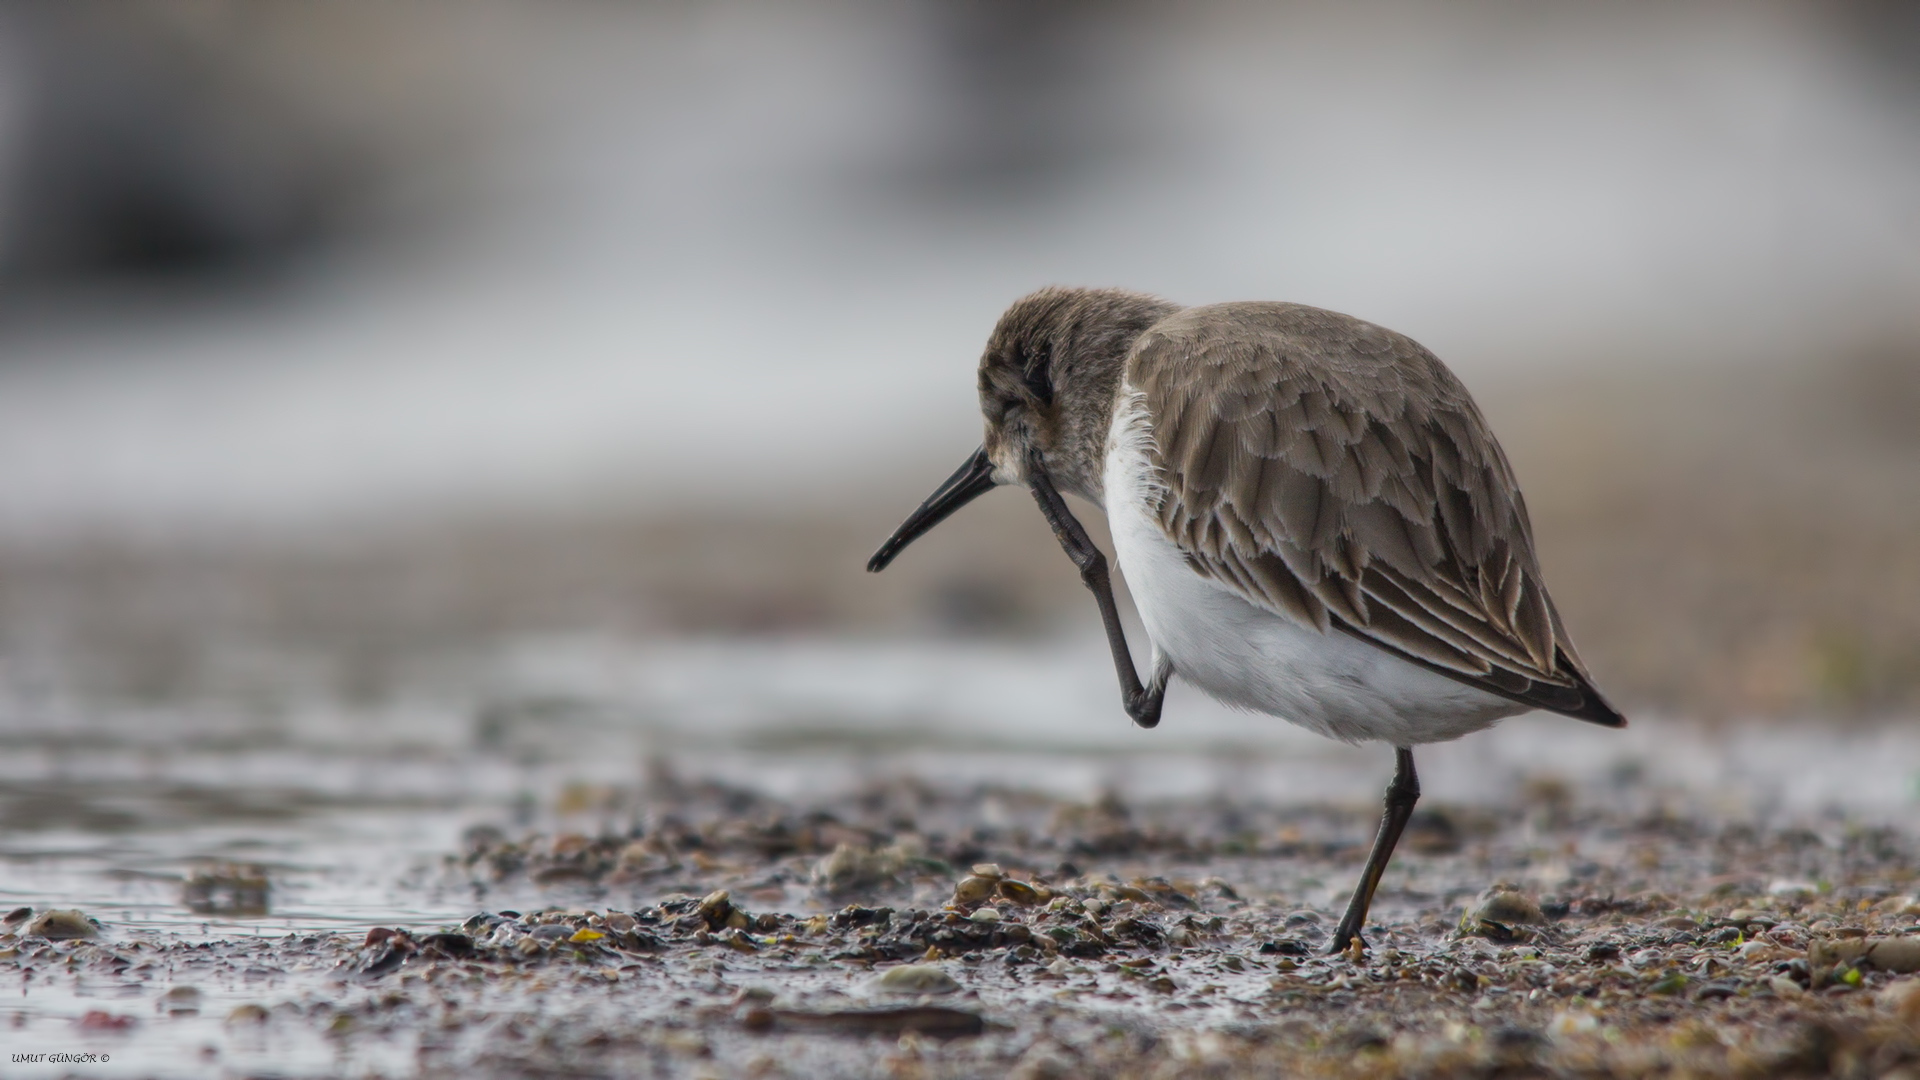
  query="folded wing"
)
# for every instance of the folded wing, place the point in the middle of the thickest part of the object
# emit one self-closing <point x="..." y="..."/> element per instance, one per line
<point x="1336" y="473"/>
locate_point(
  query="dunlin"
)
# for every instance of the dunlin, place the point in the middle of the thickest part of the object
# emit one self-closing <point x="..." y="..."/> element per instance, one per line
<point x="1313" y="517"/>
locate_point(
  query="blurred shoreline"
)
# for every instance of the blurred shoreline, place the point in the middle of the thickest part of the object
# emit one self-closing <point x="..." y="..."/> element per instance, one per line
<point x="1725" y="544"/>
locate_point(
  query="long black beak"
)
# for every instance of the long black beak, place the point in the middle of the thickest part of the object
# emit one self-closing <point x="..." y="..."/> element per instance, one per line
<point x="973" y="479"/>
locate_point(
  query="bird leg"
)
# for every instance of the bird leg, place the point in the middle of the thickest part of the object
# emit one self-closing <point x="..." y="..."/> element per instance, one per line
<point x="1402" y="793"/>
<point x="1142" y="702"/>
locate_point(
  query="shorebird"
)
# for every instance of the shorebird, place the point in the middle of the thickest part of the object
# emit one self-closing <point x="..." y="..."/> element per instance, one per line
<point x="1311" y="513"/>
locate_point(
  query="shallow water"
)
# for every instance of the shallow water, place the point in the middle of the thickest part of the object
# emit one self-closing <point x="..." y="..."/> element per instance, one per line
<point x="108" y="805"/>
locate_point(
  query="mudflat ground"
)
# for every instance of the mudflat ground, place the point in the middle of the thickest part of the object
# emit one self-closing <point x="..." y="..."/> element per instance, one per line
<point x="913" y="928"/>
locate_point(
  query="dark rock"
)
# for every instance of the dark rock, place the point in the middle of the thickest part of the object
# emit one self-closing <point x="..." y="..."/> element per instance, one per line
<point x="936" y="1021"/>
<point x="392" y="957"/>
<point x="1719" y="988"/>
<point x="853" y="915"/>
<point x="1509" y="1038"/>
<point x="458" y="946"/>
<point x="482" y="922"/>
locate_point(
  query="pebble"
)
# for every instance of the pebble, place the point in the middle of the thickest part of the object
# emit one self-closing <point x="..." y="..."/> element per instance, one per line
<point x="972" y="890"/>
<point x="915" y="979"/>
<point x="63" y="924"/>
<point x="1498" y="911"/>
<point x="1019" y="892"/>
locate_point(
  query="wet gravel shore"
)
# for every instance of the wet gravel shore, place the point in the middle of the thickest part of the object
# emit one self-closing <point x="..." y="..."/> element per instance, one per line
<point x="905" y="929"/>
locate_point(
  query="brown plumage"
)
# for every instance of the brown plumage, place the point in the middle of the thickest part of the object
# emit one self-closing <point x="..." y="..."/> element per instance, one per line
<point x="1336" y="473"/>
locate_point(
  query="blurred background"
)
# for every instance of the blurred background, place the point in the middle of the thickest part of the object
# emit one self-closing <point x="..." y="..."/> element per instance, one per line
<point x="458" y="379"/>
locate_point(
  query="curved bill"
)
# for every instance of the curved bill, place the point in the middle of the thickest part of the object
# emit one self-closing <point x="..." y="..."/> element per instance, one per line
<point x="973" y="479"/>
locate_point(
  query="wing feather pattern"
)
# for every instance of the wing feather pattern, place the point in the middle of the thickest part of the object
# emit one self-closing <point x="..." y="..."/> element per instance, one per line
<point x="1337" y="474"/>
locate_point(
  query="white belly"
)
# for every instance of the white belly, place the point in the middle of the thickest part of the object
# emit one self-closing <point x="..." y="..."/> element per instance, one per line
<point x="1250" y="658"/>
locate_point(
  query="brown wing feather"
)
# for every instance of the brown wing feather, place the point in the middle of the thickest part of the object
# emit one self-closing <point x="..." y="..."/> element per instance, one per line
<point x="1337" y="474"/>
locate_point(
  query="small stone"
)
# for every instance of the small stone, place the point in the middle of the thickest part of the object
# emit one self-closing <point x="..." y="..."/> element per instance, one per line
<point x="1019" y="892"/>
<point x="972" y="890"/>
<point x="988" y="870"/>
<point x="1499" y="912"/>
<point x="63" y="924"/>
<point x="1785" y="987"/>
<point x="448" y="944"/>
<point x="985" y="915"/>
<point x="248" y="1014"/>
<point x="1718" y="989"/>
<point x="1510" y="906"/>
<point x="620" y="922"/>
<point x="915" y="979"/>
<point x="714" y="908"/>
<point x="16" y="917"/>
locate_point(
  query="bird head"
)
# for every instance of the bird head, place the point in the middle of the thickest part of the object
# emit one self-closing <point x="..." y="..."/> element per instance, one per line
<point x="1048" y="377"/>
